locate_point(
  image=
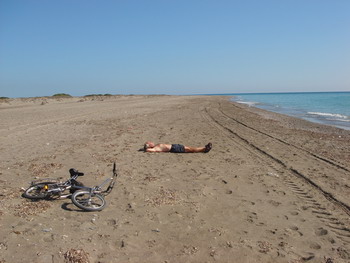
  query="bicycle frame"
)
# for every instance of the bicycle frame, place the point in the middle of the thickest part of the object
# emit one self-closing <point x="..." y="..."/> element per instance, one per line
<point x="93" y="198"/>
<point x="98" y="188"/>
<point x="60" y="187"/>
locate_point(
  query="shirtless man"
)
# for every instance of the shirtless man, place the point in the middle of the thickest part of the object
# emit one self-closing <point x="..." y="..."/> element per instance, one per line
<point x="175" y="148"/>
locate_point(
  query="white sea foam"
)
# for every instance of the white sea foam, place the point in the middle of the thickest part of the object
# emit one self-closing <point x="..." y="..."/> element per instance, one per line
<point x="334" y="115"/>
<point x="331" y="116"/>
<point x="249" y="103"/>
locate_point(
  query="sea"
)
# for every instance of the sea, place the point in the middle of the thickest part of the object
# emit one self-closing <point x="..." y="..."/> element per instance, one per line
<point x="329" y="108"/>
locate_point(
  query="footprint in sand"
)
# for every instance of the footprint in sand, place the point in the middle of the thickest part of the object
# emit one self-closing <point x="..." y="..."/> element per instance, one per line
<point x="111" y="222"/>
<point x="274" y="203"/>
<point x="293" y="231"/>
<point x="253" y="216"/>
<point x="314" y="245"/>
<point x="331" y="240"/>
<point x="294" y="213"/>
<point x="307" y="256"/>
<point x="321" y="232"/>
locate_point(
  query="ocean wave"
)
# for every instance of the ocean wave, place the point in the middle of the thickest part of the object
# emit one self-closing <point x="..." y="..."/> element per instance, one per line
<point x="249" y="103"/>
<point x="335" y="115"/>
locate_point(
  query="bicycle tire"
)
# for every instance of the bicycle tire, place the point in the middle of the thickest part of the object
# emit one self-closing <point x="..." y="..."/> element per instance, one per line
<point x="36" y="191"/>
<point x="87" y="201"/>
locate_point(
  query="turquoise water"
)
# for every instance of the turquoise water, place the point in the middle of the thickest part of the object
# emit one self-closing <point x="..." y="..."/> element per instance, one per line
<point x="330" y="108"/>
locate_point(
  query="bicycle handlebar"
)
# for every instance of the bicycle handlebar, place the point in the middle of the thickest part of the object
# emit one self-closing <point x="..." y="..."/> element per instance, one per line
<point x="111" y="185"/>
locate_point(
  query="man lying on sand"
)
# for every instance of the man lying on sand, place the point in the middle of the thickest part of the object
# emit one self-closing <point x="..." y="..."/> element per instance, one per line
<point x="175" y="148"/>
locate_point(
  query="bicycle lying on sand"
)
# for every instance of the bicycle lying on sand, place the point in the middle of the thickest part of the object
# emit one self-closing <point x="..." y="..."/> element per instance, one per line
<point x="87" y="198"/>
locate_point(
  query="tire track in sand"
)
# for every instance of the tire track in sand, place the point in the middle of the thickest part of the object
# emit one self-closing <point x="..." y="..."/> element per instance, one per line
<point x="303" y="187"/>
<point x="316" y="172"/>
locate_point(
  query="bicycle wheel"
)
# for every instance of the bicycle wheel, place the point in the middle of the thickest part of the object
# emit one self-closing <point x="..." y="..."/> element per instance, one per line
<point x="36" y="191"/>
<point x="88" y="201"/>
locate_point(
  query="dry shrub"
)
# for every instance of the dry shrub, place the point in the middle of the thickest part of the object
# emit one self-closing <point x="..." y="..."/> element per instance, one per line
<point x="151" y="178"/>
<point x="11" y="193"/>
<point x="164" y="197"/>
<point x="27" y="208"/>
<point x="264" y="246"/>
<point x="76" y="256"/>
<point x="103" y="158"/>
<point x="189" y="250"/>
<point x="43" y="169"/>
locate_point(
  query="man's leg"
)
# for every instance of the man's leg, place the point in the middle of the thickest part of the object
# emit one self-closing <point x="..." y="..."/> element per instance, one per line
<point x="194" y="149"/>
<point x="204" y="149"/>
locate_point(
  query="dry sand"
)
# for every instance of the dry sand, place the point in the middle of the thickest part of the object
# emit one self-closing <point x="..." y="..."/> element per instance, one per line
<point x="273" y="188"/>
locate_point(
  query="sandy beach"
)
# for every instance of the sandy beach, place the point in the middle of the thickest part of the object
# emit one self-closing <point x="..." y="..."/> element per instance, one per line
<point x="273" y="188"/>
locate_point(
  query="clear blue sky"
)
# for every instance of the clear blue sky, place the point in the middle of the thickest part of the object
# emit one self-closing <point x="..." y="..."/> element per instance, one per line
<point x="82" y="47"/>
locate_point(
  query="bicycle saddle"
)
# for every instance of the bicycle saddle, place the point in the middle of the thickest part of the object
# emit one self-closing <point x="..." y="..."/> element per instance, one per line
<point x="75" y="172"/>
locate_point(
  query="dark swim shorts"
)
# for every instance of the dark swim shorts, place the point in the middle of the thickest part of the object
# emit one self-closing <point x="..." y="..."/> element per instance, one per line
<point x="177" y="148"/>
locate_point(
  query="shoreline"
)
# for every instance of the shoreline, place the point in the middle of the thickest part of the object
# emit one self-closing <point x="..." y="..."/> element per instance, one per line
<point x="314" y="117"/>
<point x="325" y="116"/>
<point x="317" y="120"/>
<point x="270" y="190"/>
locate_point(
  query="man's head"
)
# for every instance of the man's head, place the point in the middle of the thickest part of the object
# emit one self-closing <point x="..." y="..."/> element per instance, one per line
<point x="149" y="145"/>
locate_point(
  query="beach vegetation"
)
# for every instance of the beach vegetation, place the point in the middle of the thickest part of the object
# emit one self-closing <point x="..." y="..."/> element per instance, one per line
<point x="61" y="95"/>
<point x="92" y="95"/>
<point x="4" y="98"/>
